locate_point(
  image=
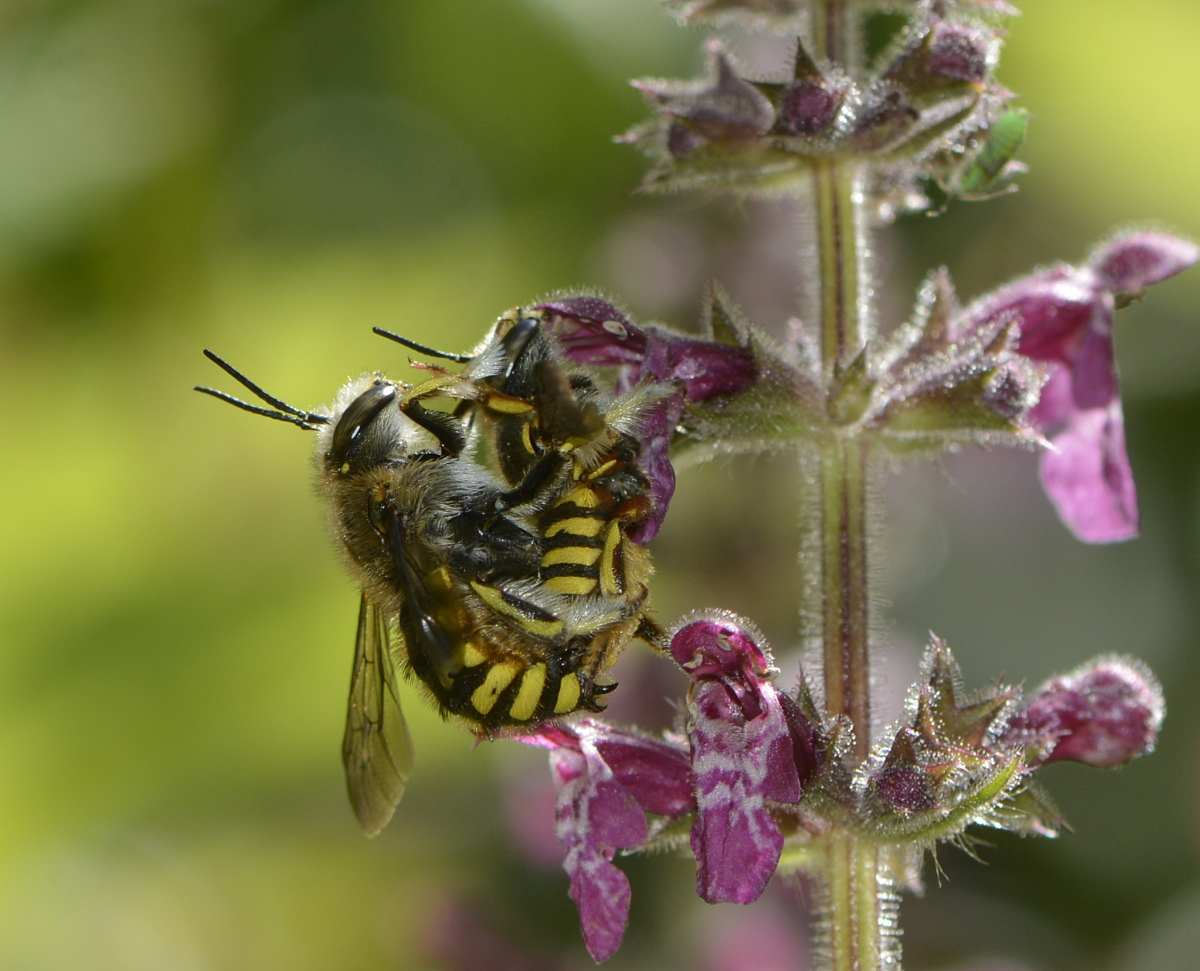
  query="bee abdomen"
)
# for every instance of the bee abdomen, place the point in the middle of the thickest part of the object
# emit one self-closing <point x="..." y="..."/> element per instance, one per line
<point x="504" y="693"/>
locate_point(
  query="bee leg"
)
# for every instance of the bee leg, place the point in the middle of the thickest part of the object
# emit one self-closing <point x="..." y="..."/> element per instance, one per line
<point x="540" y="474"/>
<point x="590" y="700"/>
<point x="445" y="428"/>
<point x="652" y="634"/>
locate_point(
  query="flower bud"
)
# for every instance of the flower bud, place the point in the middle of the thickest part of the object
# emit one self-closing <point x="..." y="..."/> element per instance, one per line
<point x="939" y="386"/>
<point x="945" y="768"/>
<point x="809" y="108"/>
<point x="722" y="107"/>
<point x="957" y="53"/>
<point x="1103" y="714"/>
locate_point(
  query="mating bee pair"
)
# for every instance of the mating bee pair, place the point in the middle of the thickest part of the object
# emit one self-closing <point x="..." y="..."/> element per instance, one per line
<point x="490" y="540"/>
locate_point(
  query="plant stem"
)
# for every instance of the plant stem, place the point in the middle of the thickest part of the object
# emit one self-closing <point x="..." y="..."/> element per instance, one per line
<point x="845" y="599"/>
<point x="829" y="30"/>
<point x="845" y="602"/>
<point x="859" y="905"/>
<point x="839" y="228"/>
<point x="861" y="896"/>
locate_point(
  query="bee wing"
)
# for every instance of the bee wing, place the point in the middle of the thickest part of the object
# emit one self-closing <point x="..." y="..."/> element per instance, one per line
<point x="377" y="749"/>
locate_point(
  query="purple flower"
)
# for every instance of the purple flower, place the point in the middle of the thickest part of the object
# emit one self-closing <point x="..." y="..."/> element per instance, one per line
<point x="750" y="745"/>
<point x="607" y="781"/>
<point x="1065" y="316"/>
<point x="1103" y="714"/>
<point x="744" y="753"/>
<point x="593" y="332"/>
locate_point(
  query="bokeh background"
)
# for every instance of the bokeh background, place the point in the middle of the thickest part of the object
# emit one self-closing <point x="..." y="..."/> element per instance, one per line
<point x="272" y="178"/>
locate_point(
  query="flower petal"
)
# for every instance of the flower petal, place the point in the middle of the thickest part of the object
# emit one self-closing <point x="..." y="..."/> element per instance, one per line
<point x="606" y="777"/>
<point x="743" y="754"/>
<point x="717" y="644"/>
<point x="1088" y="477"/>
<point x="1094" y="373"/>
<point x="595" y="817"/>
<point x="1134" y="261"/>
<point x="1055" y="405"/>
<point x="655" y="433"/>
<point x="1052" y="316"/>
<point x="657" y="775"/>
<point x="593" y="331"/>
<point x="738" y="763"/>
<point x="1065" y="316"/>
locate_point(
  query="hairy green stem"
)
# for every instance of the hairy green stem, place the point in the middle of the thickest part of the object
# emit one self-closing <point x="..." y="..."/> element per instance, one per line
<point x="859" y="904"/>
<point x="835" y="184"/>
<point x="844" y="593"/>
<point x="859" y="891"/>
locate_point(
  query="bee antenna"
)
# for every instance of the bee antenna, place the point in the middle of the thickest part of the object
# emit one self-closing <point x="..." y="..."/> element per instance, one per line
<point x="283" y="411"/>
<point x="422" y="348"/>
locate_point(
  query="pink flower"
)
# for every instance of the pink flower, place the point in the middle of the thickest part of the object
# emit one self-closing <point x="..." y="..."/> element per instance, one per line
<point x="745" y="751"/>
<point x="749" y="745"/>
<point x="1065" y="316"/>
<point x="607" y="780"/>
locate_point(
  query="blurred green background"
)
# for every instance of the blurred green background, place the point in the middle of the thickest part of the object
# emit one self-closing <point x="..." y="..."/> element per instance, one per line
<point x="272" y="178"/>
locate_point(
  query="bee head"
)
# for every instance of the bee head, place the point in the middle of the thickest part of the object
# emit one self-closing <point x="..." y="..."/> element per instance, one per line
<point x="373" y="424"/>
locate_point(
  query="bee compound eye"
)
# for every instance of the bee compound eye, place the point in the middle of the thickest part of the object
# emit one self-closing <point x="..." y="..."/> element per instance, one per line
<point x="360" y="413"/>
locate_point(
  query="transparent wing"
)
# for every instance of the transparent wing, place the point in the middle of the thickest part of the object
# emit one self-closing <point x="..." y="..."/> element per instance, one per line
<point x="377" y="749"/>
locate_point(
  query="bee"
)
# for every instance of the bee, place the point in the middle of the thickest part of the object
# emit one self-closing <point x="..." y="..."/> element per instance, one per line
<point x="489" y="538"/>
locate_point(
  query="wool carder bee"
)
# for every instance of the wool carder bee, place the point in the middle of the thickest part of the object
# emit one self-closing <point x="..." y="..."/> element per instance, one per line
<point x="489" y="538"/>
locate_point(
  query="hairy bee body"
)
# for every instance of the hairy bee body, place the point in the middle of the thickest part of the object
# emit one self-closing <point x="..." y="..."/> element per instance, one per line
<point x="490" y="542"/>
<point x="508" y="608"/>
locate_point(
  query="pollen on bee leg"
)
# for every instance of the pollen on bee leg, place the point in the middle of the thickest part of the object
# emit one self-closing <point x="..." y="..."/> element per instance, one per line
<point x="529" y="694"/>
<point x="498" y="678"/>
<point x="568" y="695"/>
